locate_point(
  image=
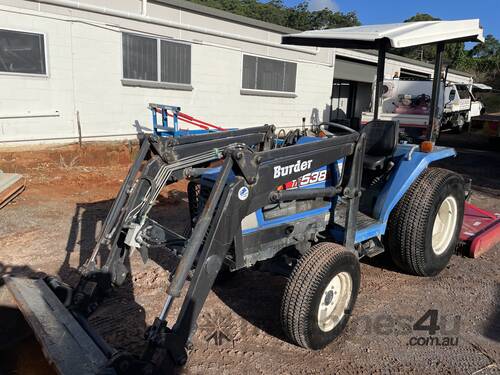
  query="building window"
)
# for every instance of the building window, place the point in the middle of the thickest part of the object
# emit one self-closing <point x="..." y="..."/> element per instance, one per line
<point x="140" y="59"/>
<point x="267" y="74"/>
<point x="153" y="59"/>
<point x="175" y="62"/>
<point x="22" y="52"/>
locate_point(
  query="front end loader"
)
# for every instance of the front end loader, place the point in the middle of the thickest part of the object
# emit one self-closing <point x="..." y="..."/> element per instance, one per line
<point x="252" y="170"/>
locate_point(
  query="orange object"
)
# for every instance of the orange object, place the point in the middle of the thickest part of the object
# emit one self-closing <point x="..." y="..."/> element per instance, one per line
<point x="426" y="146"/>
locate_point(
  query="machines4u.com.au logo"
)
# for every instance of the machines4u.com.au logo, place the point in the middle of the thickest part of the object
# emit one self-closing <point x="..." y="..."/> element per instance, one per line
<point x="440" y="330"/>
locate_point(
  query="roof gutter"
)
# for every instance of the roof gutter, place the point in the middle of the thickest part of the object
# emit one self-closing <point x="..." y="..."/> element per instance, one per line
<point x="158" y="21"/>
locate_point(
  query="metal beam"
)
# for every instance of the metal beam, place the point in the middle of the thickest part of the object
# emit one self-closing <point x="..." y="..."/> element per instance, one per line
<point x="380" y="80"/>
<point x="434" y="119"/>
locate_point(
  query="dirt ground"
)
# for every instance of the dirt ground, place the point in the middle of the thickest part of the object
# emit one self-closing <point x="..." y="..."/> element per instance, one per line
<point x="51" y="228"/>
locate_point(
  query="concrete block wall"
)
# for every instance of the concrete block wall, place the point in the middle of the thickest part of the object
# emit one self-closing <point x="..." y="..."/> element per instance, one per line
<point x="36" y="96"/>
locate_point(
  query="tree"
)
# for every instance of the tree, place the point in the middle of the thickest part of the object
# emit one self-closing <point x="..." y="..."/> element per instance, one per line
<point x="274" y="11"/>
<point x="326" y="19"/>
<point x="422" y="17"/>
<point x="490" y="48"/>
<point x="484" y="61"/>
<point x="298" y="16"/>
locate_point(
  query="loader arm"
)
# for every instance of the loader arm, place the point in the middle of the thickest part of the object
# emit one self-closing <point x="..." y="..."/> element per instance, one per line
<point x="160" y="162"/>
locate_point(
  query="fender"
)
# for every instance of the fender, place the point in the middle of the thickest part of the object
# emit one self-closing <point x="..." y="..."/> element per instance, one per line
<point x="408" y="166"/>
<point x="406" y="171"/>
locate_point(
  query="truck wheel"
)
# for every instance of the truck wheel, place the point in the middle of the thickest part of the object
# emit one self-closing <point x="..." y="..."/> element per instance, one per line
<point x="424" y="226"/>
<point x="320" y="295"/>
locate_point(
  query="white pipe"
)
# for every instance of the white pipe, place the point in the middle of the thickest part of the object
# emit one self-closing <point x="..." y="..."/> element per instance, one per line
<point x="144" y="11"/>
<point x="29" y="114"/>
<point x="162" y="22"/>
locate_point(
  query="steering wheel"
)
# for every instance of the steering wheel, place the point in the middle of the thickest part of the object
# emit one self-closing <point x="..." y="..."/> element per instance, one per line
<point x="339" y="127"/>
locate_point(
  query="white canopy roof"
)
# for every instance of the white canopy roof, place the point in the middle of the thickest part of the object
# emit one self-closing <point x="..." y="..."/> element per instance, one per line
<point x="399" y="35"/>
<point x="482" y="86"/>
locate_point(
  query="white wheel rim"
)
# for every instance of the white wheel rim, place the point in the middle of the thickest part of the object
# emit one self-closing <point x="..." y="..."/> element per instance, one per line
<point x="334" y="301"/>
<point x="444" y="225"/>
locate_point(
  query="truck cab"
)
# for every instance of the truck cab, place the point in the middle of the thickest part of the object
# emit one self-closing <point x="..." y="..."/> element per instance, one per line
<point x="460" y="107"/>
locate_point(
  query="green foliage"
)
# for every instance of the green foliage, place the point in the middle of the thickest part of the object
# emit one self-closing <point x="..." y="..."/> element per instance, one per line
<point x="422" y="17"/>
<point x="490" y="48"/>
<point x="491" y="102"/>
<point x="274" y="11"/>
<point x="483" y="61"/>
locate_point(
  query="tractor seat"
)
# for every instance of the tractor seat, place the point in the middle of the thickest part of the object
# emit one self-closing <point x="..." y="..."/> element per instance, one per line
<point x="381" y="142"/>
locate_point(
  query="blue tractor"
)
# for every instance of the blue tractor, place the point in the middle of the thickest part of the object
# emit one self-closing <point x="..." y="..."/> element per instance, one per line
<point x="308" y="205"/>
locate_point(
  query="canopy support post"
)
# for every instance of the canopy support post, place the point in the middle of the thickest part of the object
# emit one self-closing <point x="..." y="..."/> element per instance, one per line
<point x="380" y="79"/>
<point x="434" y="125"/>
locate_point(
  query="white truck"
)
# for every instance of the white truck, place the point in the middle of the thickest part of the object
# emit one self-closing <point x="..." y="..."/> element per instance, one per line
<point x="409" y="102"/>
<point x="461" y="106"/>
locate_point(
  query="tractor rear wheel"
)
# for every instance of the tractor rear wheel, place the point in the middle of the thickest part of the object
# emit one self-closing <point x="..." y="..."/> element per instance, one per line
<point x="320" y="295"/>
<point x="424" y="226"/>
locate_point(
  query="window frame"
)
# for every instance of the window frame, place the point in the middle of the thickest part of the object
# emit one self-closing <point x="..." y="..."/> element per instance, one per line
<point x="272" y="93"/>
<point x="45" y="50"/>
<point x="158" y="83"/>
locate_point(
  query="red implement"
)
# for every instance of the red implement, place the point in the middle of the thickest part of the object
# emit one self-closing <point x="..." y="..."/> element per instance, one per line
<point x="480" y="230"/>
<point x="194" y="121"/>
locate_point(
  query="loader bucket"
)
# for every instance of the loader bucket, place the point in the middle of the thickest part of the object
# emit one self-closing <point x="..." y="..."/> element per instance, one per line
<point x="11" y="185"/>
<point x="65" y="344"/>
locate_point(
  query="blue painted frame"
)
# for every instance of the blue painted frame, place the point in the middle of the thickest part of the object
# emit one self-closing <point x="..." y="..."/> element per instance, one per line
<point x="210" y="176"/>
<point x="408" y="167"/>
<point x="164" y="130"/>
<point x="334" y="176"/>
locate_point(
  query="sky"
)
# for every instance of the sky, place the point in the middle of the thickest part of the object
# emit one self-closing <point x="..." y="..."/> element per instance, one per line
<point x="390" y="11"/>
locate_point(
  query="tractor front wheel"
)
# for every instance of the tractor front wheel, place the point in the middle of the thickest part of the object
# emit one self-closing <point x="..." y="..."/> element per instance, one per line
<point x="424" y="226"/>
<point x="320" y="295"/>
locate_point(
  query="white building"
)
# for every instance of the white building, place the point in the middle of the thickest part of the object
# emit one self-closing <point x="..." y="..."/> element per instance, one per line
<point x="95" y="65"/>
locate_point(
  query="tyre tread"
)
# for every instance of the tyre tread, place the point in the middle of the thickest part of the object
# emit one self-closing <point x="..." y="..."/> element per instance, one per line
<point x="310" y="270"/>
<point x="406" y="229"/>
